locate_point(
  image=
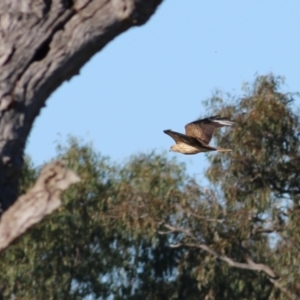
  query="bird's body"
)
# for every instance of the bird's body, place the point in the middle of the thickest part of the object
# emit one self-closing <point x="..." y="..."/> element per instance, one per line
<point x="198" y="135"/>
<point x="187" y="149"/>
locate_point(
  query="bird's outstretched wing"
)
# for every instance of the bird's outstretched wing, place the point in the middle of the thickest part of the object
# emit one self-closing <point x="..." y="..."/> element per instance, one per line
<point x="203" y="129"/>
<point x="180" y="138"/>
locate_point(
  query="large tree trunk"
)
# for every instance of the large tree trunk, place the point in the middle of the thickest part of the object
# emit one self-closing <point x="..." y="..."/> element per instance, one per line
<point x="42" y="44"/>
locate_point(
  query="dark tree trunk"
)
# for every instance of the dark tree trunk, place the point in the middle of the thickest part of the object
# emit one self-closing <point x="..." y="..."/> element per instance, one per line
<point x="42" y="44"/>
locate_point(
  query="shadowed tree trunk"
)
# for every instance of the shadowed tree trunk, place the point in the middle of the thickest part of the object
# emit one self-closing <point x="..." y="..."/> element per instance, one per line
<point x="42" y="44"/>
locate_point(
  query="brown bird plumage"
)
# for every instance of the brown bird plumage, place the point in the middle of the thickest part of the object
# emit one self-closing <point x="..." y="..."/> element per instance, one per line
<point x="197" y="135"/>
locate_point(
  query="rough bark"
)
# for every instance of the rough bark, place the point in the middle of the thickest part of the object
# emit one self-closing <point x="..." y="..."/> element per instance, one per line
<point x="42" y="44"/>
<point x="42" y="199"/>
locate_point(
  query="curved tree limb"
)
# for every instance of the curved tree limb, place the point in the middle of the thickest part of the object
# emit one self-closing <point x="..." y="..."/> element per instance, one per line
<point x="42" y="44"/>
<point x="42" y="199"/>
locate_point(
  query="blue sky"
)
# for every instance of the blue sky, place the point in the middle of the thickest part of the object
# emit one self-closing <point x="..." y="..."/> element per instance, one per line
<point x="155" y="77"/>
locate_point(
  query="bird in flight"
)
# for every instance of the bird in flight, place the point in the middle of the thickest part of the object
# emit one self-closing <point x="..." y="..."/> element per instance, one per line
<point x="198" y="135"/>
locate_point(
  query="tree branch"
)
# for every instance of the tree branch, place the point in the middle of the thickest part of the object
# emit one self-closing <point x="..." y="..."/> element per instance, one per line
<point x="249" y="265"/>
<point x="43" y="44"/>
<point x="40" y="200"/>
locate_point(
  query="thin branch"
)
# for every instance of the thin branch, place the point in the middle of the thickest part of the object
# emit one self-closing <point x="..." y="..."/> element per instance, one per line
<point x="266" y="230"/>
<point x="249" y="265"/>
<point x="40" y="200"/>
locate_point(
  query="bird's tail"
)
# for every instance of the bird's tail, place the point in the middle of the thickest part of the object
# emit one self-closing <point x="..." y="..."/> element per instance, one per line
<point x="223" y="150"/>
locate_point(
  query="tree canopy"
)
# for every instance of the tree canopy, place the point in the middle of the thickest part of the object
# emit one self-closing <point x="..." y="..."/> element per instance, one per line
<point x="145" y="229"/>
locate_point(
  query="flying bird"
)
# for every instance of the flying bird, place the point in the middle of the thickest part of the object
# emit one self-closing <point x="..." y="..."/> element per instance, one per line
<point x="198" y="135"/>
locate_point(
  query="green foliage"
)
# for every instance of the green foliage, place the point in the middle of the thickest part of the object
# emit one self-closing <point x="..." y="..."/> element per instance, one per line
<point x="260" y="179"/>
<point x="98" y="244"/>
<point x="144" y="229"/>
